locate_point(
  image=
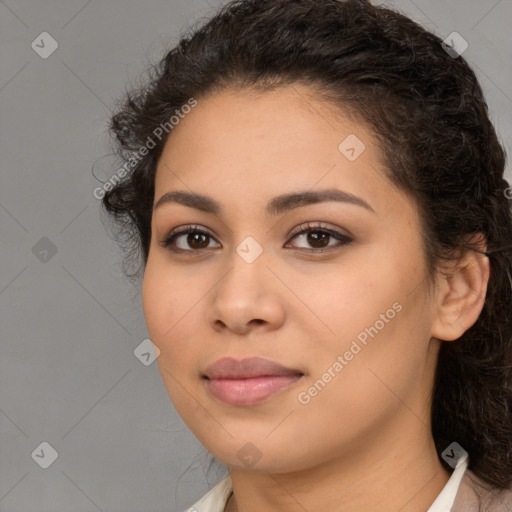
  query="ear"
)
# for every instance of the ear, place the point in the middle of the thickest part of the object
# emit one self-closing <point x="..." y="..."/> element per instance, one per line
<point x="460" y="294"/>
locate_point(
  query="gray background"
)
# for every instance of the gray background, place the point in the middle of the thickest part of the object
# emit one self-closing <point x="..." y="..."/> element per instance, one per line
<point x="69" y="320"/>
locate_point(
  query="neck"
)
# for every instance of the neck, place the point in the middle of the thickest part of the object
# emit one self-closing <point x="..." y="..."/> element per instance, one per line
<point x="392" y="473"/>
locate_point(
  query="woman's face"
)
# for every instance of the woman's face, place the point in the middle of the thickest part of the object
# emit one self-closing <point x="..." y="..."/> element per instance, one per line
<point x="352" y="315"/>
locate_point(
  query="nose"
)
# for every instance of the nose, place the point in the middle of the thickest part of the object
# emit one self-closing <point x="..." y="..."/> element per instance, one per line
<point x="248" y="297"/>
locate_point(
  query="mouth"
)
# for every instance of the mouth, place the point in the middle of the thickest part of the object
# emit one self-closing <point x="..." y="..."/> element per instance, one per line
<point x="248" y="381"/>
<point x="230" y="368"/>
<point x="249" y="390"/>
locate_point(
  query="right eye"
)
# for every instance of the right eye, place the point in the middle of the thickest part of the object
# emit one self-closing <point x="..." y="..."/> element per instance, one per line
<point x="195" y="240"/>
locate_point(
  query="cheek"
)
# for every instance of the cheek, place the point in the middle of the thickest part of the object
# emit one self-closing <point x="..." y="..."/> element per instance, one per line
<point x="171" y="303"/>
<point x="151" y="300"/>
<point x="377" y="315"/>
<point x="166" y="302"/>
<point x="161" y="295"/>
<point x="369" y="375"/>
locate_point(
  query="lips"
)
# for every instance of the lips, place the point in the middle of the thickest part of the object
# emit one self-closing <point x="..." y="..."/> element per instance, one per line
<point x="249" y="381"/>
<point x="229" y="368"/>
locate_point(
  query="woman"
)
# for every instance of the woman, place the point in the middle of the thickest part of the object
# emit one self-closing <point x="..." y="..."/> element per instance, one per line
<point x="317" y="194"/>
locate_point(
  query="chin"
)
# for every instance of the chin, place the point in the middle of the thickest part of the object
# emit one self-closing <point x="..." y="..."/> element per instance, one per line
<point x="261" y="456"/>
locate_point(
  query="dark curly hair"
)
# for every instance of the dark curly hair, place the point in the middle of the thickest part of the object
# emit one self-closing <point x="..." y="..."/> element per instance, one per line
<point x="415" y="95"/>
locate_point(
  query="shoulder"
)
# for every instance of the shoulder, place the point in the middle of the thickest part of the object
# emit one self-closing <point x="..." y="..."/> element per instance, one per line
<point x="474" y="495"/>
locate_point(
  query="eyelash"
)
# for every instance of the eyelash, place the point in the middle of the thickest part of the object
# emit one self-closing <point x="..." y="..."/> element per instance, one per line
<point x="301" y="230"/>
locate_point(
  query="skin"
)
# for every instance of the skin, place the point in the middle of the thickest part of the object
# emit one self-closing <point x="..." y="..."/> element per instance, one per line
<point x="364" y="442"/>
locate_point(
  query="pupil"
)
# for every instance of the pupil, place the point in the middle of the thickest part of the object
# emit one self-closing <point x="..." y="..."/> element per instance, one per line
<point x="195" y="237"/>
<point x="315" y="237"/>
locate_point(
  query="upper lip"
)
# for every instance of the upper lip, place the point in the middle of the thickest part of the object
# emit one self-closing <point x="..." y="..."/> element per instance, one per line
<point x="230" y="368"/>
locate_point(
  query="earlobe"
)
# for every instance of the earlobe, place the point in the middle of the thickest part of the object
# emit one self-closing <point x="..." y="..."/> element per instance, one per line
<point x="460" y="294"/>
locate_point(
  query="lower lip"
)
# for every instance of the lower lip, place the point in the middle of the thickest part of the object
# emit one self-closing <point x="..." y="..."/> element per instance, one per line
<point x="249" y="391"/>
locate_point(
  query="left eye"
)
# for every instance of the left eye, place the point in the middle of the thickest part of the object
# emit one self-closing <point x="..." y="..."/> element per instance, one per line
<point x="317" y="236"/>
<point x="196" y="239"/>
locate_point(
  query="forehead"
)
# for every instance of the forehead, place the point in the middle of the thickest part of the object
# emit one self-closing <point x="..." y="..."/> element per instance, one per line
<point x="266" y="143"/>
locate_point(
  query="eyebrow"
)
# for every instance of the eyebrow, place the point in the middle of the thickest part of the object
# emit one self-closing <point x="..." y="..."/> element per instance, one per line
<point x="275" y="206"/>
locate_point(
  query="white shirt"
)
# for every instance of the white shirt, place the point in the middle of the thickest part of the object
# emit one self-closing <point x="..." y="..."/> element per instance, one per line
<point x="216" y="498"/>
